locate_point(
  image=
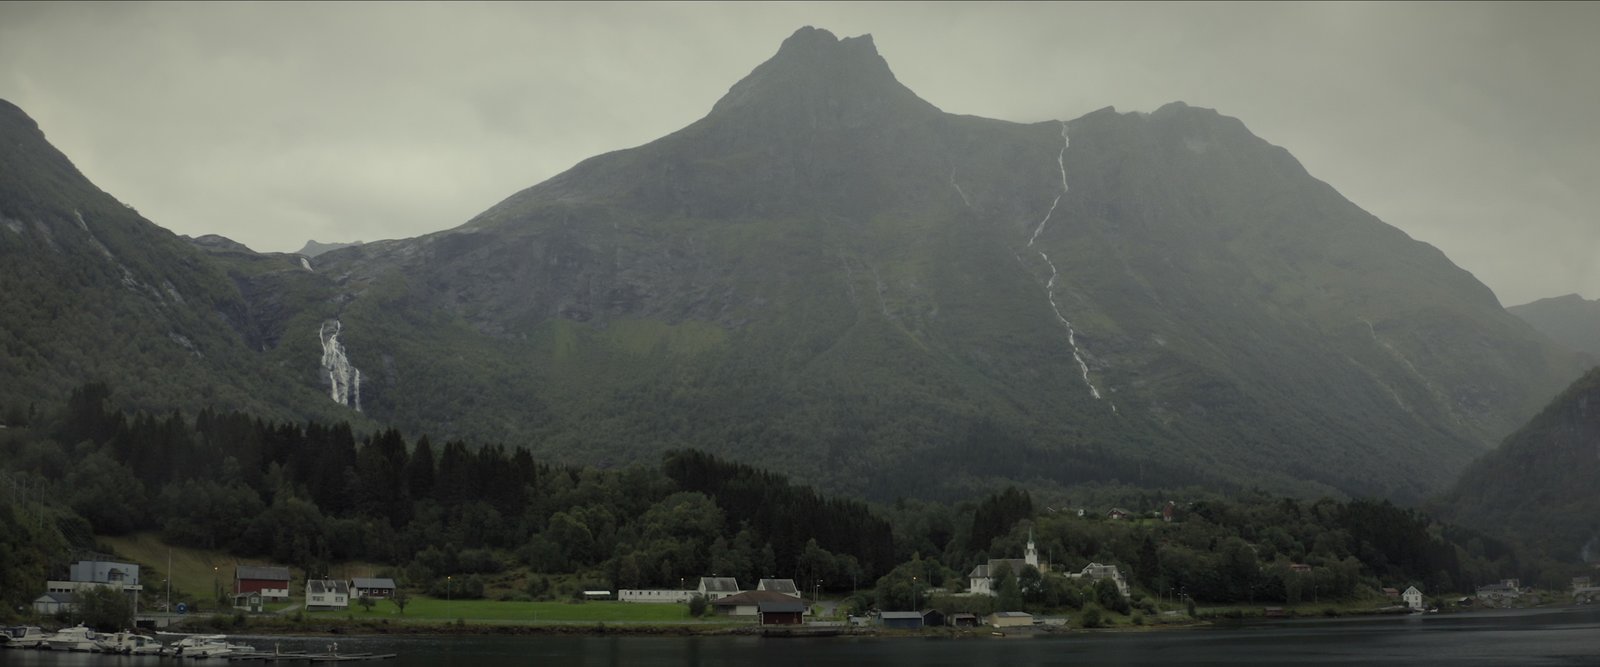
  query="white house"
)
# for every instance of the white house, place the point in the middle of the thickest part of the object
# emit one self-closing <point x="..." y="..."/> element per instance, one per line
<point x="784" y="586"/>
<point x="716" y="588"/>
<point x="327" y="595"/>
<point x="1413" y="598"/>
<point x="1096" y="571"/>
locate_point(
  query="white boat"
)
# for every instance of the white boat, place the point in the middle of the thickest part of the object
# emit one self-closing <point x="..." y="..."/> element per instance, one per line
<point x="77" y="638"/>
<point x="183" y="646"/>
<point x="22" y="636"/>
<point x="128" y="643"/>
<point x="208" y="646"/>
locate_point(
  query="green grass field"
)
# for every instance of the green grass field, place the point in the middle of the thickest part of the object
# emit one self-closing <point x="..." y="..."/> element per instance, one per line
<point x="432" y="609"/>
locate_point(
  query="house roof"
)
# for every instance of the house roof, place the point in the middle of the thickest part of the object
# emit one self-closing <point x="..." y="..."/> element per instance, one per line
<point x="1013" y="614"/>
<point x="369" y="582"/>
<point x="752" y="597"/>
<point x="327" y="586"/>
<point x="779" y="585"/>
<point x="719" y="584"/>
<point x="963" y="615"/>
<point x="266" y="572"/>
<point x="1412" y="589"/>
<point x="61" y="598"/>
<point x="789" y="606"/>
<point x="901" y="615"/>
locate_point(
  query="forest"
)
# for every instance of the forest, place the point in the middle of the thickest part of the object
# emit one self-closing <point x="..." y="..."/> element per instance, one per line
<point x="314" y="495"/>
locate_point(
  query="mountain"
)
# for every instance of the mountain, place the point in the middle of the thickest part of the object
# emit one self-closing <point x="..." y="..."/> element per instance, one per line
<point x="1569" y="320"/>
<point x="1539" y="485"/>
<point x="830" y="277"/>
<point x="92" y="291"/>
<point x="313" y="248"/>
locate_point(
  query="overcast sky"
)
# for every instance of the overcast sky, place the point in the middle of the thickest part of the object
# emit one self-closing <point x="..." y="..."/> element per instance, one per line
<point x="1470" y="126"/>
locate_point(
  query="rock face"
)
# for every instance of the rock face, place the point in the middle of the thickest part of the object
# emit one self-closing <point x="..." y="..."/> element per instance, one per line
<point x="830" y="277"/>
<point x="1569" y="320"/>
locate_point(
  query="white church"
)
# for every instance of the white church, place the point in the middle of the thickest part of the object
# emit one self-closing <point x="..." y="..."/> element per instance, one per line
<point x="981" y="580"/>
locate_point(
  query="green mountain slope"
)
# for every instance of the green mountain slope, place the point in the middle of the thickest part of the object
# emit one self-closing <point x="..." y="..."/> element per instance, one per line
<point x="1539" y="485"/>
<point x="830" y="276"/>
<point x="91" y="290"/>
<point x="1569" y="320"/>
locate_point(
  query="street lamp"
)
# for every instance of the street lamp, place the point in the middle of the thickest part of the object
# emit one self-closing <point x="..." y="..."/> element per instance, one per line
<point x="447" y="597"/>
<point x="216" y="583"/>
<point x="913" y="593"/>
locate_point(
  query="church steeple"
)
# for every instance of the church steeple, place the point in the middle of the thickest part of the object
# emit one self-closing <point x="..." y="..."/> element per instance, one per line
<point x="1031" y="556"/>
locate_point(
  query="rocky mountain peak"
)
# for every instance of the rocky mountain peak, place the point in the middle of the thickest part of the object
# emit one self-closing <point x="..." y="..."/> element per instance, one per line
<point x="822" y="80"/>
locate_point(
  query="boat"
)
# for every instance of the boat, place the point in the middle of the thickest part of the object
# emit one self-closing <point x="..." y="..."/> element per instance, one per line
<point x="22" y="636"/>
<point x="189" y="643"/>
<point x="128" y="643"/>
<point x="76" y="638"/>
<point x="208" y="646"/>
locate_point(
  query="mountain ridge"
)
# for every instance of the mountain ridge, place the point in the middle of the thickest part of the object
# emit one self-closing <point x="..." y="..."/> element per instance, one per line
<point x="1570" y="320"/>
<point x="835" y="279"/>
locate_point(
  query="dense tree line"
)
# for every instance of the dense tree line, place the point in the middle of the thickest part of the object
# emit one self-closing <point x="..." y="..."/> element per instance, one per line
<point x="311" y="495"/>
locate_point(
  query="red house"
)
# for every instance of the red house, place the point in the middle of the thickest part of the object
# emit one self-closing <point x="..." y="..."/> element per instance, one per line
<point x="269" y="581"/>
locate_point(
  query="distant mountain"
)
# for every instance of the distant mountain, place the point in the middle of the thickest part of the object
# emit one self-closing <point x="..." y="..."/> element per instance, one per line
<point x="1539" y="486"/>
<point x="1570" y="320"/>
<point x="830" y="277"/>
<point x="90" y="290"/>
<point x="313" y="248"/>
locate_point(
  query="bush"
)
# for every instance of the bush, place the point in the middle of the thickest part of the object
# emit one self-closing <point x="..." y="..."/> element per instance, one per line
<point x="1138" y="618"/>
<point x="698" y="606"/>
<point x="1091" y="617"/>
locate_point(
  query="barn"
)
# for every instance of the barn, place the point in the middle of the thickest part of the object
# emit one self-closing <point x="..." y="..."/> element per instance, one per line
<point x="270" y="581"/>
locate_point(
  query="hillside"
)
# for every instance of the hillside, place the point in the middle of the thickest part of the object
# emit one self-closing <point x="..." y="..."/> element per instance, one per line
<point x="1539" y="486"/>
<point x="90" y="290"/>
<point x="1569" y="320"/>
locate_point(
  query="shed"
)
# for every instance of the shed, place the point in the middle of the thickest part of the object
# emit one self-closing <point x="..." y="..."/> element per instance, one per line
<point x="932" y="618"/>
<point x="901" y="620"/>
<point x="380" y="587"/>
<point x="251" y="601"/>
<point x="1010" y="619"/>
<point x="781" y="612"/>
<point x="54" y="603"/>
<point x="748" y="603"/>
<point x="964" y="620"/>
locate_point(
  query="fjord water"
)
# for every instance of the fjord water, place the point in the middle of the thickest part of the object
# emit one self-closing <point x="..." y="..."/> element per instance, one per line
<point x="1568" y="636"/>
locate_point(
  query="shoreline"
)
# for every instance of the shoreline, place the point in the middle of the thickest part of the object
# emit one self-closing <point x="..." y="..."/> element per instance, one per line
<point x="275" y="627"/>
